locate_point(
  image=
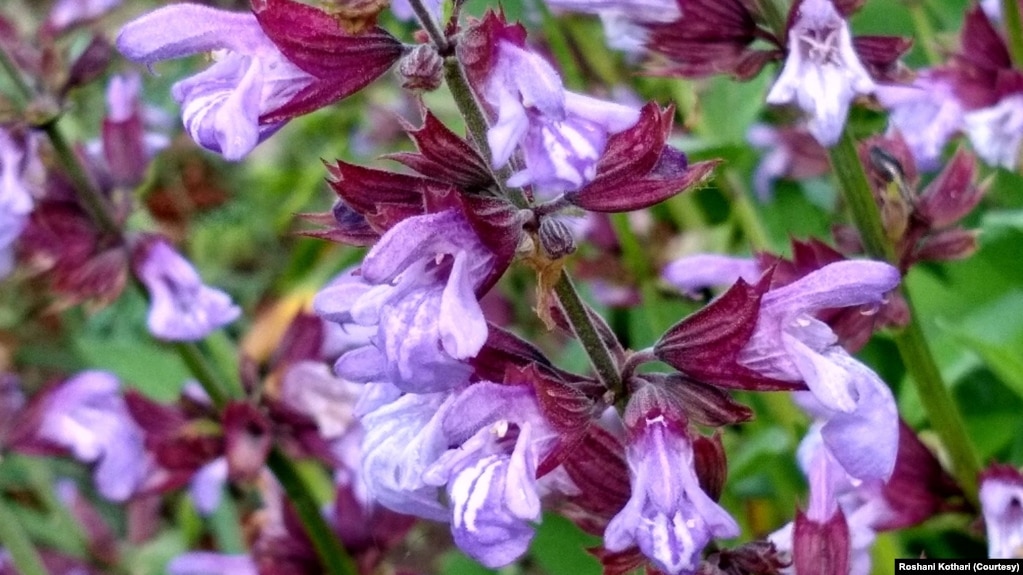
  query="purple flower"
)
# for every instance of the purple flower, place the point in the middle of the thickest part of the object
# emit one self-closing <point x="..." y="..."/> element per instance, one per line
<point x="403" y="438"/>
<point x="624" y="20"/>
<point x="250" y="77"/>
<point x="181" y="307"/>
<point x="927" y="114"/>
<point x="16" y="163"/>
<point x="207" y="485"/>
<point x="832" y="535"/>
<point x="418" y="289"/>
<point x="788" y="152"/>
<point x="789" y="344"/>
<point x="700" y="271"/>
<point x="668" y="516"/>
<point x="310" y="388"/>
<point x="127" y="147"/>
<point x="996" y="132"/>
<point x="402" y="9"/>
<point x="1001" y="500"/>
<point x="562" y="134"/>
<point x="822" y="72"/>
<point x="67" y="13"/>
<point x="87" y="415"/>
<point x="491" y="476"/>
<point x="209" y="563"/>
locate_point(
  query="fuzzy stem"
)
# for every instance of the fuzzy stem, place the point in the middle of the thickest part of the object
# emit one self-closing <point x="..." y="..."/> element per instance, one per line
<point x="433" y="30"/>
<point x="1014" y="30"/>
<point x="475" y="120"/>
<point x="845" y="162"/>
<point x="332" y="555"/>
<point x="18" y="545"/>
<point x="916" y="355"/>
<point x="586" y="332"/>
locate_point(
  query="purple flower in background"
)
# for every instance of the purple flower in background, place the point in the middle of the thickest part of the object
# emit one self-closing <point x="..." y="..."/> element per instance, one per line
<point x="700" y="271"/>
<point x="788" y="152"/>
<point x="1001" y="500"/>
<point x="15" y="195"/>
<point x="207" y="485"/>
<point x="181" y="307"/>
<point x="996" y="132"/>
<point x="209" y="563"/>
<point x="418" y="288"/>
<point x="127" y="147"/>
<point x="403" y="10"/>
<point x="221" y="106"/>
<point x="669" y="516"/>
<point x="926" y="113"/>
<point x="87" y="415"/>
<point x="562" y="134"/>
<point x="491" y="476"/>
<point x="67" y="13"/>
<point x="624" y="20"/>
<point x="822" y="73"/>
<point x="789" y="344"/>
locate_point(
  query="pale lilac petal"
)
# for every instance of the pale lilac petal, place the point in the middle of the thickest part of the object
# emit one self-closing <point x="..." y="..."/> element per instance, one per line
<point x="996" y="132"/>
<point x="822" y="73"/>
<point x="668" y="516"/>
<point x="1001" y="500"/>
<point x="209" y="563"/>
<point x="184" y="29"/>
<point x="182" y="308"/>
<point x="87" y="415"/>
<point x="701" y="271"/>
<point x="207" y="485"/>
<point x="402" y="439"/>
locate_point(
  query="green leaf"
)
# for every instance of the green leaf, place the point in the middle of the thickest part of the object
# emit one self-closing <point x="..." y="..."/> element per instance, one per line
<point x="1004" y="361"/>
<point x="560" y="547"/>
<point x="148" y="367"/>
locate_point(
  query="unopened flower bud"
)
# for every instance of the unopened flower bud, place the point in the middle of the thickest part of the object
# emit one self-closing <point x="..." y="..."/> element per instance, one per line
<point x="421" y="69"/>
<point x="555" y="238"/>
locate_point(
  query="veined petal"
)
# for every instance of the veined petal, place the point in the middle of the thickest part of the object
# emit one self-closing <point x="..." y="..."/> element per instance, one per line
<point x="463" y="329"/>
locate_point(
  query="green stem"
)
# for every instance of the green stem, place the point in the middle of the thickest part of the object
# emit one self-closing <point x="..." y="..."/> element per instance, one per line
<point x="92" y="198"/>
<point x="586" y="332"/>
<point x="776" y="16"/>
<point x="1014" y="30"/>
<point x="25" y="92"/>
<point x="938" y="403"/>
<point x="745" y="214"/>
<point x="925" y="32"/>
<point x="17" y="543"/>
<point x="476" y="122"/>
<point x="333" y="556"/>
<point x="845" y="162"/>
<point x="433" y="30"/>
<point x="916" y="355"/>
<point x="203" y="372"/>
